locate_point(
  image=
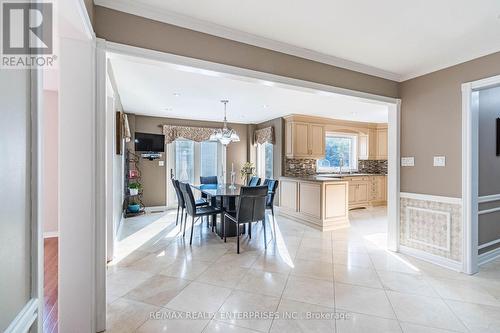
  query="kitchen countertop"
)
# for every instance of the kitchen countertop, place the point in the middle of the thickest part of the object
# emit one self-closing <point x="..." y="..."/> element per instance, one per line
<point x="329" y="177"/>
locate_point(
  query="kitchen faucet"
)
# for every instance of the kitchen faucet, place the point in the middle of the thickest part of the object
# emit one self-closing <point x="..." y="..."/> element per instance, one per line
<point x="341" y="164"/>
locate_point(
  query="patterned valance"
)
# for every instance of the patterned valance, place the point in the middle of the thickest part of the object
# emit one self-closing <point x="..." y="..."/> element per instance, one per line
<point x="197" y="134"/>
<point x="264" y="135"/>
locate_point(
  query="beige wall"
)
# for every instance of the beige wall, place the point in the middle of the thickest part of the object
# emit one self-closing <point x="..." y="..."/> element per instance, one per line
<point x="137" y="31"/>
<point x="431" y="125"/>
<point x="50" y="161"/>
<point x="154" y="176"/>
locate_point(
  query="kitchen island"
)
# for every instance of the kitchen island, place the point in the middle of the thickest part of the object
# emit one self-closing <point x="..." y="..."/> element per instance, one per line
<point x="318" y="201"/>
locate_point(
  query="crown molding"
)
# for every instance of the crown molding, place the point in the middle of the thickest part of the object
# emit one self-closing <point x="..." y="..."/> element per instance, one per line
<point x="169" y="17"/>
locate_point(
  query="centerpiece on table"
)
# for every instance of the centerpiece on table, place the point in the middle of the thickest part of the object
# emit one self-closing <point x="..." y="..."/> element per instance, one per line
<point x="247" y="171"/>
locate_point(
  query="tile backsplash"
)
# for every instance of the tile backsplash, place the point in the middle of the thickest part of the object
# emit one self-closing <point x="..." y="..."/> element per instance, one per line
<point x="372" y="166"/>
<point x="300" y="167"/>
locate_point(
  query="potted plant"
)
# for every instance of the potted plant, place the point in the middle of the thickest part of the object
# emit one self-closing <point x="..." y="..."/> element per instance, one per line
<point x="247" y="171"/>
<point x="134" y="206"/>
<point x="134" y="188"/>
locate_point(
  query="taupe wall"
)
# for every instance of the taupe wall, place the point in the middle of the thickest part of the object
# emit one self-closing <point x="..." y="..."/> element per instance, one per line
<point x="138" y="31"/>
<point x="489" y="165"/>
<point x="89" y="4"/>
<point x="431" y="124"/>
<point x="154" y="176"/>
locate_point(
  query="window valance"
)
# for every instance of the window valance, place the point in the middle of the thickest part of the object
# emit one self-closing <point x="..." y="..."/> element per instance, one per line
<point x="197" y="134"/>
<point x="264" y="135"/>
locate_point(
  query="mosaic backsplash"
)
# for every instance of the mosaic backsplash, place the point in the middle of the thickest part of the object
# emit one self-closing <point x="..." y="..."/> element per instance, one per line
<point x="433" y="227"/>
<point x="300" y="167"/>
<point x="372" y="166"/>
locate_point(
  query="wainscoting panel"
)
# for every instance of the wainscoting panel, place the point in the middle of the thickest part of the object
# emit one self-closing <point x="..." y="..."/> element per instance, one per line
<point x="432" y="224"/>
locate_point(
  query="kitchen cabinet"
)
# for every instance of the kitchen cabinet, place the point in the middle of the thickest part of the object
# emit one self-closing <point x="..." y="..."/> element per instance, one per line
<point x="373" y="145"/>
<point x="304" y="140"/>
<point x="322" y="204"/>
<point x="381" y="144"/>
<point x="365" y="191"/>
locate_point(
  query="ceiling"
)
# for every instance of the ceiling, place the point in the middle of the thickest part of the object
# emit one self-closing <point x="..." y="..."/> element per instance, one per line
<point x="389" y="38"/>
<point x="154" y="88"/>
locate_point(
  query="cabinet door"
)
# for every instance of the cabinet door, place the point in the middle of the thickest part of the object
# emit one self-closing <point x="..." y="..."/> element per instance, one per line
<point x="317" y="140"/>
<point x="382" y="144"/>
<point x="300" y="136"/>
<point x="352" y="193"/>
<point x="288" y="195"/>
<point x="289" y="139"/>
<point x="362" y="192"/>
<point x="363" y="147"/>
<point x="310" y="199"/>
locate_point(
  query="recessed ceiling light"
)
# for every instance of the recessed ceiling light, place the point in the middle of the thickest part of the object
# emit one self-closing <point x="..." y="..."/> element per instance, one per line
<point x="176" y="94"/>
<point x="265" y="106"/>
<point x="168" y="109"/>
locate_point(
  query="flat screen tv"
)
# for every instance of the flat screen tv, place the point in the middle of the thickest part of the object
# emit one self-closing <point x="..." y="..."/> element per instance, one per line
<point x="149" y="142"/>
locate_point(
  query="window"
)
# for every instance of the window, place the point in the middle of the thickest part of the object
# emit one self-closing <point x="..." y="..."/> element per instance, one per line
<point x="340" y="150"/>
<point x="208" y="158"/>
<point x="265" y="160"/>
<point x="184" y="160"/>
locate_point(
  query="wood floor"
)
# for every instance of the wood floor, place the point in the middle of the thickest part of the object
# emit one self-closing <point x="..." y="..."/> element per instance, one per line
<point x="50" y="288"/>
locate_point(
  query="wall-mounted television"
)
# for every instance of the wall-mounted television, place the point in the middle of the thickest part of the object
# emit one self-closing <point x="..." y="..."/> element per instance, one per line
<point x="149" y="142"/>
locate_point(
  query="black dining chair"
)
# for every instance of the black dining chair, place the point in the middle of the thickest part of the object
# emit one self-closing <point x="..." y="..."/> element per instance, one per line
<point x="194" y="210"/>
<point x="251" y="207"/>
<point x="254" y="181"/>
<point x="181" y="205"/>
<point x="208" y="180"/>
<point x="272" y="186"/>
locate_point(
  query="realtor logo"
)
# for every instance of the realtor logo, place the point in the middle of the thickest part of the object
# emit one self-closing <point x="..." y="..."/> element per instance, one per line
<point x="27" y="34"/>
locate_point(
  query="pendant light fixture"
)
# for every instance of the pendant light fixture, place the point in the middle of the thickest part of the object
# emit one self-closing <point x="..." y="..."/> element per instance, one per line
<point x="225" y="135"/>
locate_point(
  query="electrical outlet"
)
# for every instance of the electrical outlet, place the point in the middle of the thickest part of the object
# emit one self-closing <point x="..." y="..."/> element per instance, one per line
<point x="161" y="163"/>
<point x="408" y="161"/>
<point x="439" y="161"/>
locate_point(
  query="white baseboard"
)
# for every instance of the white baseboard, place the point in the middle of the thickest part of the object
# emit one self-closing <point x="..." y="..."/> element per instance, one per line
<point x="51" y="234"/>
<point x="488" y="256"/>
<point x="427" y="197"/>
<point x="432" y="258"/>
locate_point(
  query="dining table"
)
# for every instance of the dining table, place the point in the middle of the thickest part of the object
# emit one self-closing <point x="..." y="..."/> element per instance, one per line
<point x="226" y="196"/>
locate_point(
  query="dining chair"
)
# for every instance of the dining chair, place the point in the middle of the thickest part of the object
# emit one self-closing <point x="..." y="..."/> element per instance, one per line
<point x="194" y="210"/>
<point x="254" y="181"/>
<point x="272" y="186"/>
<point x="251" y="207"/>
<point x="181" y="205"/>
<point x="208" y="180"/>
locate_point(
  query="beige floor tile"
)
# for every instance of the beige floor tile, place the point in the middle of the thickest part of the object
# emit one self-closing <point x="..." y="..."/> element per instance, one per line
<point x="365" y="277"/>
<point x="158" y="324"/>
<point x="348" y="246"/>
<point x="414" y="328"/>
<point x="262" y="282"/>
<point x="222" y="275"/>
<point x="186" y="268"/>
<point x="464" y="290"/>
<point x="407" y="283"/>
<point x="121" y="282"/>
<point x="274" y="263"/>
<point x="311" y="291"/>
<point x="158" y="290"/>
<point x="235" y="309"/>
<point x="477" y="318"/>
<point x="152" y="263"/>
<point x="310" y="253"/>
<point x="296" y="317"/>
<point x="361" y="323"/>
<point x="199" y="297"/>
<point x="393" y="262"/>
<point x="313" y="269"/>
<point x="423" y="310"/>
<point x="125" y="316"/>
<point x="364" y="300"/>
<point x="317" y="243"/>
<point x="245" y="260"/>
<point x="352" y="259"/>
<point x="220" y="327"/>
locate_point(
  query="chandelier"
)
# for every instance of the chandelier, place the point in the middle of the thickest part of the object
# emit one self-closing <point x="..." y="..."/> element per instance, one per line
<point x="225" y="135"/>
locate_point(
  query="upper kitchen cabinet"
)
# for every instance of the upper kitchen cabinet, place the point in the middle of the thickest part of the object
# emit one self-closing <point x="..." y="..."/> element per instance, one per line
<point x="373" y="145"/>
<point x="304" y="139"/>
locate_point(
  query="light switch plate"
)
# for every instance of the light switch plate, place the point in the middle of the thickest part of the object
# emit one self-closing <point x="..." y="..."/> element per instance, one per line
<point x="408" y="161"/>
<point x="161" y="163"/>
<point x="439" y="161"/>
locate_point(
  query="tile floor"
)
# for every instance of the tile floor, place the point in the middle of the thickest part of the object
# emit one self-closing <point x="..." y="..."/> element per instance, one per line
<point x="306" y="281"/>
